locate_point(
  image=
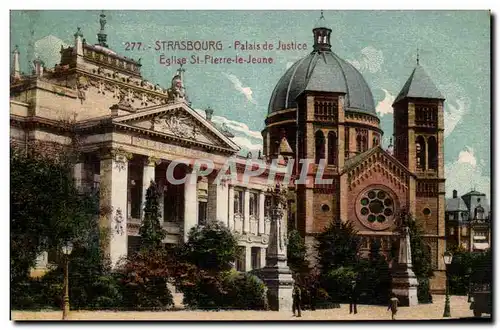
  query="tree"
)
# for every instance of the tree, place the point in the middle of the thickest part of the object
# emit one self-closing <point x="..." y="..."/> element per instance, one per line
<point x="376" y="277"/>
<point x="151" y="231"/>
<point x="47" y="209"/>
<point x="338" y="245"/>
<point x="296" y="253"/>
<point x="205" y="260"/>
<point x="421" y="260"/>
<point x="212" y="247"/>
<point x="144" y="277"/>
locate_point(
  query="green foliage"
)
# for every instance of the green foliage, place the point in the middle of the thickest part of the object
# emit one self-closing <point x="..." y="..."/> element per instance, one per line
<point x="244" y="291"/>
<point x="144" y="277"/>
<point x="151" y="231"/>
<point x="46" y="209"/>
<point x="337" y="282"/>
<point x="338" y="246"/>
<point x="296" y="253"/>
<point x="374" y="280"/>
<point x="212" y="247"/>
<point x="205" y="276"/>
<point x="421" y="260"/>
<point x="226" y="290"/>
<point x="468" y="268"/>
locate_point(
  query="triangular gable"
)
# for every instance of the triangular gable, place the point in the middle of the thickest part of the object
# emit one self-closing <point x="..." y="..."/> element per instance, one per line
<point x="372" y="156"/>
<point x="178" y="121"/>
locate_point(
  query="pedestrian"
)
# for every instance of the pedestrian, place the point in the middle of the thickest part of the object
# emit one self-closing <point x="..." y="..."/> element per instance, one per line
<point x="393" y="305"/>
<point x="353" y="305"/>
<point x="296" y="300"/>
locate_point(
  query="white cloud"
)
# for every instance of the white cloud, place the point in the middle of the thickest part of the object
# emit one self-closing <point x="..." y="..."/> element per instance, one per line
<point x="48" y="49"/>
<point x="466" y="173"/>
<point x="455" y="107"/>
<point x="453" y="113"/>
<point x="244" y="137"/>
<point x="385" y="106"/>
<point x="371" y="60"/>
<point x="245" y="143"/>
<point x="467" y="156"/>
<point x="247" y="91"/>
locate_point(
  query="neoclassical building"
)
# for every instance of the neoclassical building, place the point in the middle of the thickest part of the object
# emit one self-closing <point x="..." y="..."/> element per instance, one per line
<point x="130" y="132"/>
<point x="324" y="108"/>
<point x="321" y="109"/>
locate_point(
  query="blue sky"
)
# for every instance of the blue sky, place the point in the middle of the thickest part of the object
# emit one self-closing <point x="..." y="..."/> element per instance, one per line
<point x="454" y="50"/>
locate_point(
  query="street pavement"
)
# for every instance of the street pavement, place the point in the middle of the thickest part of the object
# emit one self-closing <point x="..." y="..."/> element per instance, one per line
<point x="434" y="311"/>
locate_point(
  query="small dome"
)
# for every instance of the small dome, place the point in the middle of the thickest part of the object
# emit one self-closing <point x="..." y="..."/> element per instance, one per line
<point x="323" y="71"/>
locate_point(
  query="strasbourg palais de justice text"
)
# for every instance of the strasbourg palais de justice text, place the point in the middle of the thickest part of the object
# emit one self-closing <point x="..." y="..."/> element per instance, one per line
<point x="211" y="47"/>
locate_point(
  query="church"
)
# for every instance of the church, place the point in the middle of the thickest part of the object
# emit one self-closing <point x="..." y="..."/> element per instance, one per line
<point x="321" y="110"/>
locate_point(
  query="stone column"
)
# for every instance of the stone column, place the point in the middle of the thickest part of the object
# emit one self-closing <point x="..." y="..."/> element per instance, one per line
<point x="148" y="175"/>
<point x="190" y="203"/>
<point x="81" y="176"/>
<point x="262" y="257"/>
<point x="277" y="275"/>
<point x="230" y="206"/>
<point x="248" y="258"/>
<point x="262" y="202"/>
<point x="246" y="211"/>
<point x="113" y="199"/>
<point x="218" y="195"/>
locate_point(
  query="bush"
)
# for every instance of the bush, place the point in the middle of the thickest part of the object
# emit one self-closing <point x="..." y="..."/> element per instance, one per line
<point x="212" y="247"/>
<point x="244" y="291"/>
<point x="204" y="290"/>
<point x="227" y="290"/>
<point x="337" y="283"/>
<point x="143" y="280"/>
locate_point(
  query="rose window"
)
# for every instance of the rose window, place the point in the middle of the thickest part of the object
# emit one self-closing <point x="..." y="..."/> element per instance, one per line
<point x="376" y="208"/>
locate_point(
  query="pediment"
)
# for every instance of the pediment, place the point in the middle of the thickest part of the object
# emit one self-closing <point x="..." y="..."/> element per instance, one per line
<point x="180" y="122"/>
<point x="377" y="160"/>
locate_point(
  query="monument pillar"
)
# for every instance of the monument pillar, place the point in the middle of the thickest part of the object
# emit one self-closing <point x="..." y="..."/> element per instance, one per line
<point x="276" y="274"/>
<point x="404" y="281"/>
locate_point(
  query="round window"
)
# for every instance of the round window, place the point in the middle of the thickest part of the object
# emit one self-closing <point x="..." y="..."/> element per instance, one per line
<point x="426" y="211"/>
<point x="376" y="208"/>
<point x="325" y="208"/>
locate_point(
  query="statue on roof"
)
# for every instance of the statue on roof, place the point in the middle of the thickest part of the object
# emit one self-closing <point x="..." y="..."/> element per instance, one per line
<point x="177" y="92"/>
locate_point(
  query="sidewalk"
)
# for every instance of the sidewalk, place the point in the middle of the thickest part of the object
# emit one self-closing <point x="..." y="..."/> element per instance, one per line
<point x="459" y="309"/>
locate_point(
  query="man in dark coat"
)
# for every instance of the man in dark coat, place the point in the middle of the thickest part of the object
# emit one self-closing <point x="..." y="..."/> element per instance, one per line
<point x="296" y="300"/>
<point x="353" y="298"/>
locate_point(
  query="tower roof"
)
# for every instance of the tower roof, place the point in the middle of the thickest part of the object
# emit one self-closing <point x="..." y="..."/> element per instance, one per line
<point x="285" y="148"/>
<point x="419" y="85"/>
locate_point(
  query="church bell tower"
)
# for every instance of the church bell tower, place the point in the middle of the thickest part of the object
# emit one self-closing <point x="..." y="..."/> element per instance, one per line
<point x="419" y="145"/>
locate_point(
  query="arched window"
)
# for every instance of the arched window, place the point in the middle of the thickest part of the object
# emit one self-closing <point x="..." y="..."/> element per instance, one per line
<point x="358" y="143"/>
<point x="420" y="152"/>
<point x="319" y="139"/>
<point x="332" y="148"/>
<point x="433" y="153"/>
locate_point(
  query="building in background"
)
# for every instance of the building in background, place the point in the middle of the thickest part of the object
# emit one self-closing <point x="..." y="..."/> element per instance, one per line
<point x="468" y="222"/>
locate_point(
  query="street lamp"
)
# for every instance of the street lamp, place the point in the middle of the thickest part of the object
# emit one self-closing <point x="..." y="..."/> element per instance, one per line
<point x="67" y="248"/>
<point x="447" y="257"/>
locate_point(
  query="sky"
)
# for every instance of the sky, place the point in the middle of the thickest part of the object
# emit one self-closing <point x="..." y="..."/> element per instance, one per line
<point x="453" y="47"/>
